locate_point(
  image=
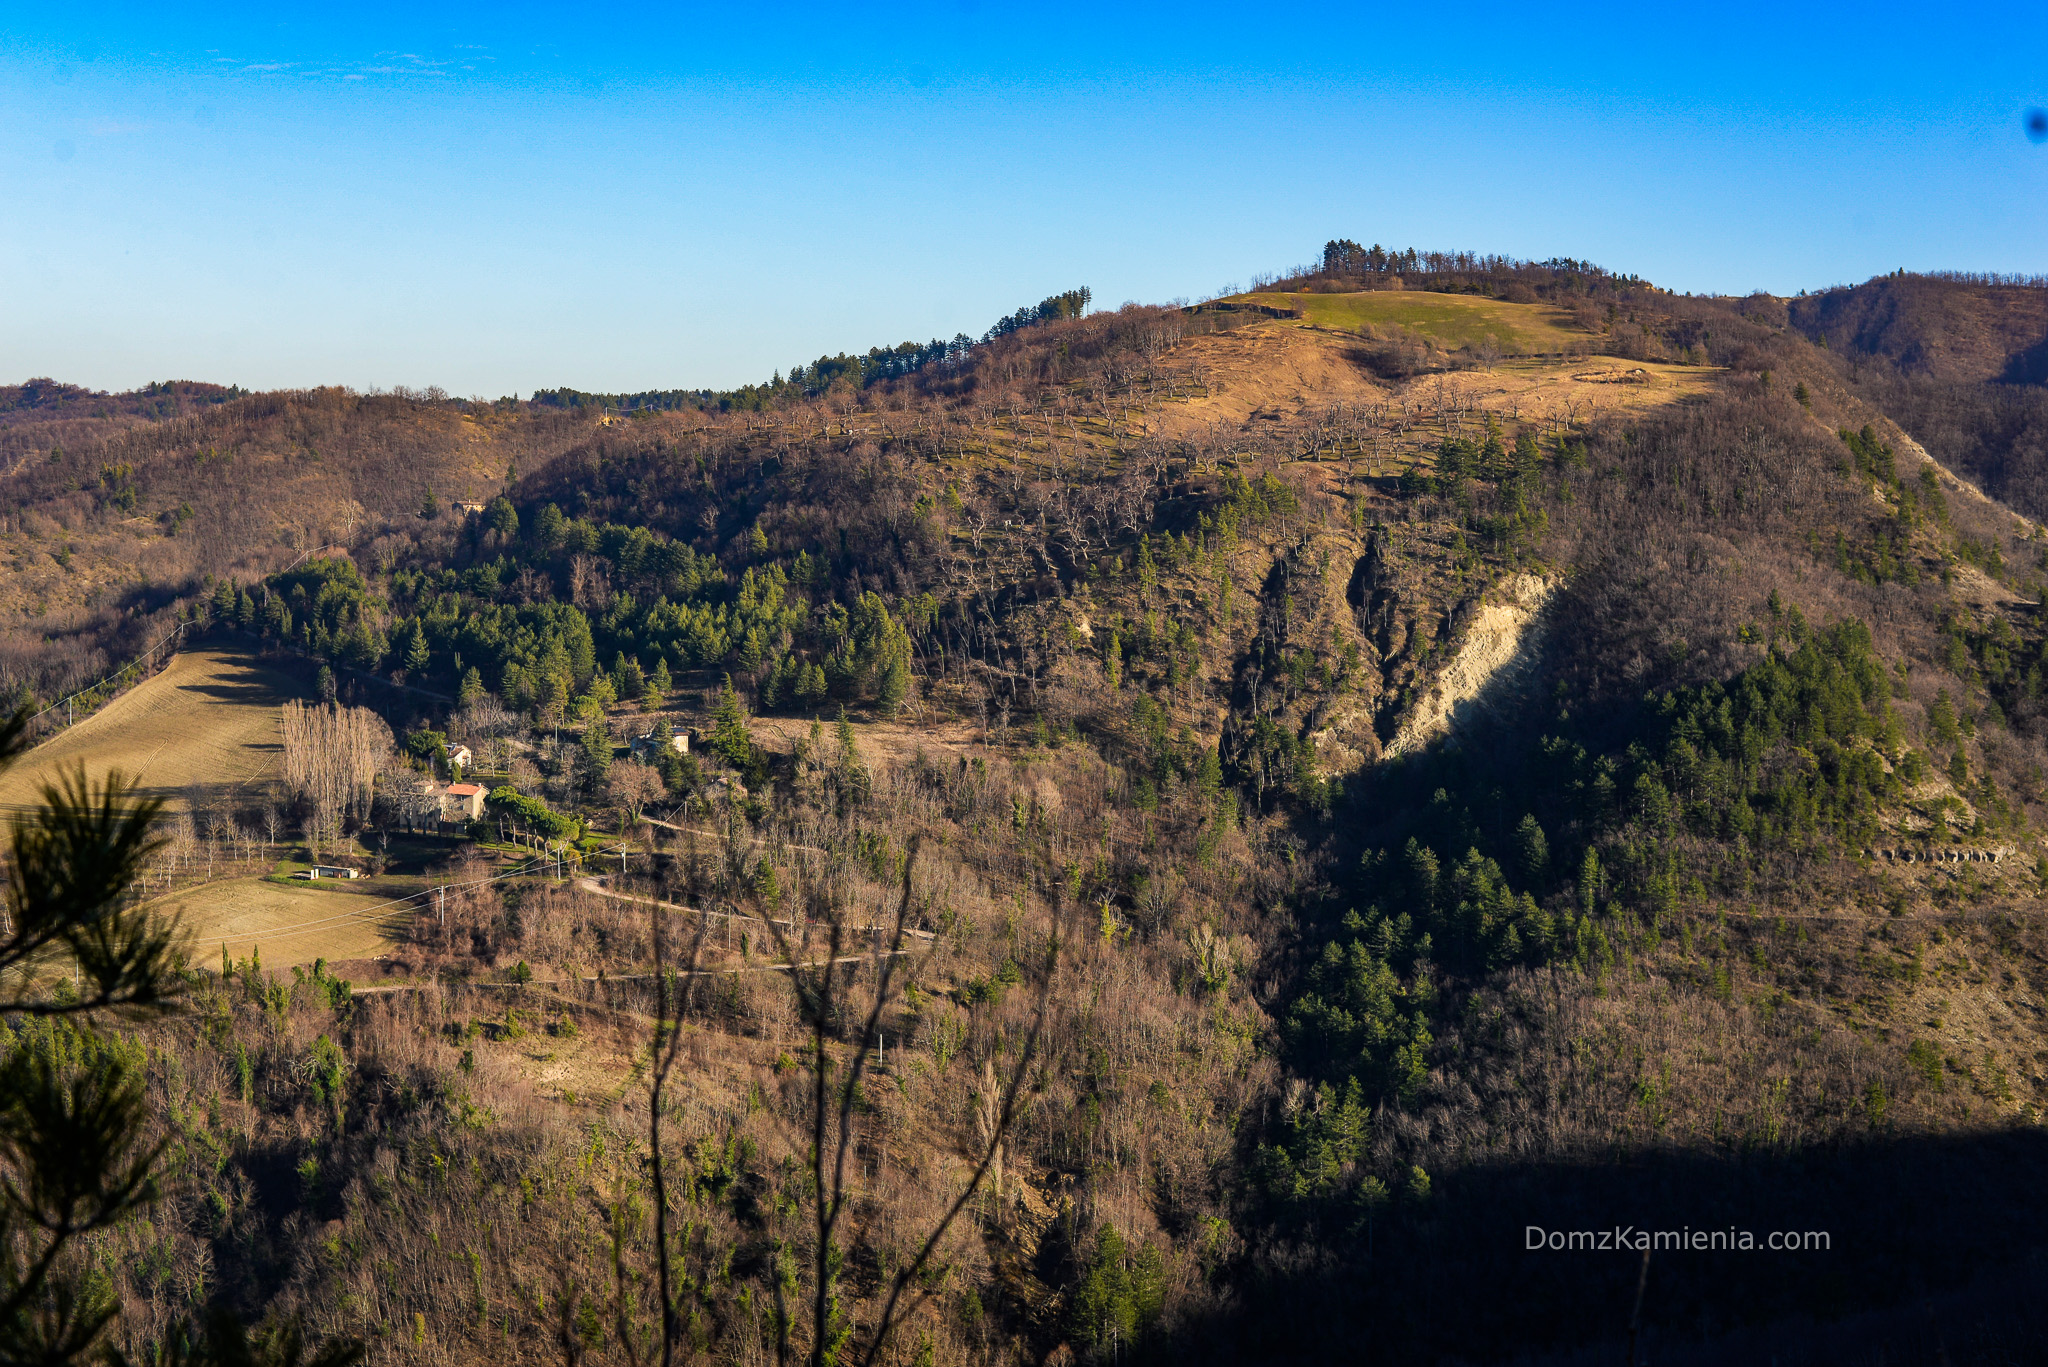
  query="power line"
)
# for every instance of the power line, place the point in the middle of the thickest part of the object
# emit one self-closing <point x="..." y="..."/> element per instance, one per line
<point x="65" y="702"/>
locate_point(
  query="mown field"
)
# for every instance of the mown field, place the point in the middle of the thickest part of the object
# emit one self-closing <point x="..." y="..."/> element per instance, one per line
<point x="287" y="924"/>
<point x="205" y="727"/>
<point x="1451" y="320"/>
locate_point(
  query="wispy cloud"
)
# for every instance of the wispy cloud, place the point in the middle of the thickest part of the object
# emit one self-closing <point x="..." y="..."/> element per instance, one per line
<point x="381" y="64"/>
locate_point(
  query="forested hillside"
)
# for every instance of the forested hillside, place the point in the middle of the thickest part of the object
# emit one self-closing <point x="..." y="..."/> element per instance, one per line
<point x="1258" y="807"/>
<point x="1959" y="361"/>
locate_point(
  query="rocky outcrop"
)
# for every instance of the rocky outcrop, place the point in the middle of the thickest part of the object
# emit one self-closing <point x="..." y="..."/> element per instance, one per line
<point x="1496" y="648"/>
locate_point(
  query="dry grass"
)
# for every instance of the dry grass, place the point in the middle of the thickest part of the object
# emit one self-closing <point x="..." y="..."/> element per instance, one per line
<point x="1450" y="320"/>
<point x="885" y="742"/>
<point x="288" y="924"/>
<point x="209" y="722"/>
<point x="1281" y="372"/>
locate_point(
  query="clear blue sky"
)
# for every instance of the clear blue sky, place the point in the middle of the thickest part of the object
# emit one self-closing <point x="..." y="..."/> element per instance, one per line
<point x="495" y="199"/>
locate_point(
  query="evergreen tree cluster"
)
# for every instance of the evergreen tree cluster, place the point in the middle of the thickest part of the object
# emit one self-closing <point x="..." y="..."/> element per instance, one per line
<point x="778" y="624"/>
<point x="859" y="371"/>
<point x="1800" y="752"/>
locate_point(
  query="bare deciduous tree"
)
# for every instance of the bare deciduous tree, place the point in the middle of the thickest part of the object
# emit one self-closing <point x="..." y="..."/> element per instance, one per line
<point x="331" y="756"/>
<point x="824" y="988"/>
<point x="631" y="787"/>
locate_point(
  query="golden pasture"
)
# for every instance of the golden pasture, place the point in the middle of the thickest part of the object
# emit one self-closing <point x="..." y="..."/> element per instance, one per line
<point x="288" y="923"/>
<point x="208" y="723"/>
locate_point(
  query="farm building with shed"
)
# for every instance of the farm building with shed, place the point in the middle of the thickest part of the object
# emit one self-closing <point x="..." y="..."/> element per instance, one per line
<point x="329" y="871"/>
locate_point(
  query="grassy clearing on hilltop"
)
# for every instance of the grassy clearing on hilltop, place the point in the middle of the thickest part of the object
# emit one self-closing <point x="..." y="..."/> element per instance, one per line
<point x="1451" y="320"/>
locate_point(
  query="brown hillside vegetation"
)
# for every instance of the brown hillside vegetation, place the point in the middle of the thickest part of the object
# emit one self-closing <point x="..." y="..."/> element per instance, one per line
<point x="1959" y="363"/>
<point x="1371" y="796"/>
<point x="101" y="533"/>
<point x="1454" y="321"/>
<point x="1937" y="329"/>
<point x="40" y="417"/>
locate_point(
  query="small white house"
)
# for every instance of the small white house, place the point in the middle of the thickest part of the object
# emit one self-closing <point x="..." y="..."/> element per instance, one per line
<point x="460" y="755"/>
<point x="331" y="871"/>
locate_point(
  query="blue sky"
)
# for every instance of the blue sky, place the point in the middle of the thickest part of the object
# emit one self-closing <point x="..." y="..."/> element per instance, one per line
<point x="622" y="197"/>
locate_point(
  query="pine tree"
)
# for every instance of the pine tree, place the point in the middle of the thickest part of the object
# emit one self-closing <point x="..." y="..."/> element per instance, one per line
<point x="472" y="687"/>
<point x="1532" y="849"/>
<point x="730" y="737"/>
<point x="628" y="680"/>
<point x="597" y="749"/>
<point x="849" y="772"/>
<point x="416" y="650"/>
<point x="811" y="685"/>
<point x="660" y="684"/>
<point x="780" y="688"/>
<point x="1120" y="1294"/>
<point x="1941" y="717"/>
<point x="557" y="702"/>
<point x="895" y="683"/>
<point x="547" y="528"/>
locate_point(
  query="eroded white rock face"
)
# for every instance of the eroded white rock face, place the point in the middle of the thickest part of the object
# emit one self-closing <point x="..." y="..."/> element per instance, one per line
<point x="1496" y="649"/>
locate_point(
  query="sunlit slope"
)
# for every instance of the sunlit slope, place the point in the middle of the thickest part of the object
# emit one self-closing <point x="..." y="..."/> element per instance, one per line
<point x="1450" y="320"/>
<point x="286" y="924"/>
<point x="209" y="723"/>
